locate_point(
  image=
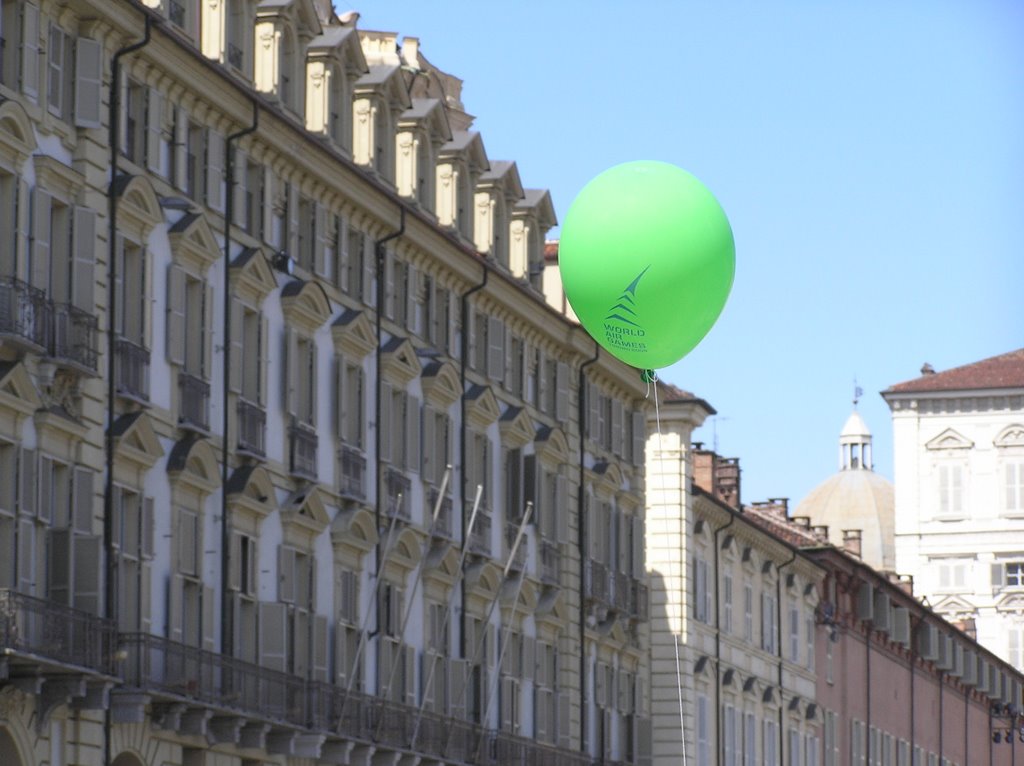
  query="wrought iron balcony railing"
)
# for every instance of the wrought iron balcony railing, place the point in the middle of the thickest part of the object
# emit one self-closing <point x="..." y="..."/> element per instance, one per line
<point x="550" y="562"/>
<point x="480" y="535"/>
<point x="353" y="473"/>
<point x="55" y="633"/>
<point x="193" y="402"/>
<point x="74" y="337"/>
<point x="302" y="451"/>
<point x="25" y="314"/>
<point x="397" y="487"/>
<point x="252" y="429"/>
<point x="131" y="370"/>
<point x="442" y="525"/>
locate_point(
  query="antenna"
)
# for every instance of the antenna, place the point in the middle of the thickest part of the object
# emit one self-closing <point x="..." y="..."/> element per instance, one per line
<point x="714" y="431"/>
<point x="858" y="392"/>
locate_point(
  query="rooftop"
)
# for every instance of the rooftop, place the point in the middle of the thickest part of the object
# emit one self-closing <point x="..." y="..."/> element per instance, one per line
<point x="1003" y="371"/>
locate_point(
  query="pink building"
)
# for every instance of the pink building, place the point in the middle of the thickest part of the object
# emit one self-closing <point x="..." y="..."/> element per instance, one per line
<point x="897" y="684"/>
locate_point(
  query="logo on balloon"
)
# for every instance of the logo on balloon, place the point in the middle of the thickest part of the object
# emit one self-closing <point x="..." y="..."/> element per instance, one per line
<point x="622" y="328"/>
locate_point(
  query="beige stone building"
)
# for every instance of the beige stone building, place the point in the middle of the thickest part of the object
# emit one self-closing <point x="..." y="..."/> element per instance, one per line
<point x="233" y="374"/>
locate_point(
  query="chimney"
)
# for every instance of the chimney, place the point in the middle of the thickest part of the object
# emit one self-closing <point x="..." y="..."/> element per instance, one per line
<point x="820" y="532"/>
<point x="927" y="369"/>
<point x="852" y="541"/>
<point x="804" y="522"/>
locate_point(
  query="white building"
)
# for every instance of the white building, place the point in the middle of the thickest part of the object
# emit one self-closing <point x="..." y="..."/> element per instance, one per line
<point x="958" y="446"/>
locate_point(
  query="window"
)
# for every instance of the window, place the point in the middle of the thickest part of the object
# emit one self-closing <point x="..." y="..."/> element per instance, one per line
<point x="131" y="309"/>
<point x="770" y="743"/>
<point x="437" y="318"/>
<point x="132" y="536"/>
<point x="748" y="612"/>
<point x="809" y="627"/>
<point x="1013" y="476"/>
<point x="701" y="593"/>
<point x="703" y="732"/>
<point x="1008" y="574"/>
<point x="811" y="745"/>
<point x="544" y="721"/>
<point x="858" y="749"/>
<point x="794" y="634"/>
<point x="60" y="70"/>
<point x="727" y="602"/>
<point x="254" y="199"/>
<point x="307" y="234"/>
<point x="351" y="408"/>
<point x="730" y="736"/>
<point x="346" y="644"/>
<point x="769" y="622"/>
<point x="953" y="574"/>
<point x="750" y="740"/>
<point x="950" y="490"/>
<point x="400" y="428"/>
<point x="133" y="142"/>
<point x="1015" y="639"/>
<point x="794" y="748"/>
<point x="831" y="740"/>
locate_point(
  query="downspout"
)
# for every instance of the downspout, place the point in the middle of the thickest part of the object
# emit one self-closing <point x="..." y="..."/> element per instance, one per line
<point x="867" y="690"/>
<point x="463" y="521"/>
<point x="778" y="631"/>
<point x="114" y="138"/>
<point x="913" y="661"/>
<point x="380" y="253"/>
<point x="226" y="645"/>
<point x="581" y="537"/>
<point x="718" y="645"/>
<point x="942" y="683"/>
<point x="967" y="716"/>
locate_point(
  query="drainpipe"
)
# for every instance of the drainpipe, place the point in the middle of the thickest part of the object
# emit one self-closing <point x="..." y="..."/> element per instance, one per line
<point x="226" y="645"/>
<point x="942" y="683"/>
<point x="463" y="521"/>
<point x="380" y="253"/>
<point x="581" y="539"/>
<point x="867" y="691"/>
<point x="913" y="660"/>
<point x="114" y="139"/>
<point x="778" y="631"/>
<point x="718" y="644"/>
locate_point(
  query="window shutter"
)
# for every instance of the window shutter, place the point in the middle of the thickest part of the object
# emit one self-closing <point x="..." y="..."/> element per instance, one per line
<point x="529" y="657"/>
<point x="273" y="635"/>
<point x="235" y="563"/>
<point x="214" y="170"/>
<point x="639" y="438"/>
<point x="82" y="500"/>
<point x="237" y="348"/>
<point x="617" y="431"/>
<point x="314" y="383"/>
<point x="638" y="547"/>
<point x="340" y="371"/>
<point x="286" y="574"/>
<point x="384" y="427"/>
<point x="291" y="196"/>
<point x="145" y="597"/>
<point x="291" y="372"/>
<point x="998" y="572"/>
<point x="84" y="255"/>
<point x="44" y="504"/>
<point x="342" y="660"/>
<point x="541" y="705"/>
<point x="413" y="300"/>
<point x="562" y="512"/>
<point x="409" y="674"/>
<point x="208" y="324"/>
<point x="563" y="720"/>
<point x="593" y="406"/>
<point x="175" y="315"/>
<point x="321" y="642"/>
<point x="209" y="617"/>
<point x="562" y="391"/>
<point x="87" y="555"/>
<point x="263" y="342"/>
<point x="28" y="486"/>
<point x="179" y="146"/>
<point x="429" y="674"/>
<point x="412" y="433"/>
<point x="175" y="599"/>
<point x="495" y="348"/>
<point x="368" y="258"/>
<point x="508" y="696"/>
<point x="41" y="204"/>
<point x="154" y="130"/>
<point x="88" y="80"/>
<point x="458" y="680"/>
<point x="59" y="560"/>
<point x="30" y="50"/>
<point x="430" y="457"/>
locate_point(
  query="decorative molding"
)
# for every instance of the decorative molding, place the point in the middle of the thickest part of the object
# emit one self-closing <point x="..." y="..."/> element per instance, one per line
<point x="193" y="464"/>
<point x="135" y="440"/>
<point x="303" y="514"/>
<point x="193" y="244"/>
<point x="251" y="276"/>
<point x="139" y="209"/>
<point x="440" y="384"/>
<point x="17" y="393"/>
<point x="551" y="446"/>
<point x="481" y="407"/>
<point x="353" y="528"/>
<point x="399" y="363"/>
<point x="949" y="439"/>
<point x="305" y="305"/>
<point x="516" y="427"/>
<point x="251" y="489"/>
<point x="353" y="334"/>
<point x="1011" y="436"/>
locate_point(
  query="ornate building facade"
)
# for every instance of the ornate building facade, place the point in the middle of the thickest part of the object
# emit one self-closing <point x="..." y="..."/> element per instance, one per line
<point x="296" y="465"/>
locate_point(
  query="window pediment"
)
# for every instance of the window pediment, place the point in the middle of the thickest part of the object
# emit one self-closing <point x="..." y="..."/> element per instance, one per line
<point x="608" y="475"/>
<point x="17" y="139"/>
<point x="58" y="178"/>
<point x="398" y="361"/>
<point x="483" y="580"/>
<point x="303" y="515"/>
<point x="521" y="598"/>
<point x="1011" y="602"/>
<point x="56" y="427"/>
<point x="442" y="563"/>
<point x="551" y="445"/>
<point x="481" y="406"/>
<point x="516" y="427"/>
<point x="949" y="439"/>
<point x="305" y="304"/>
<point x="1011" y="436"/>
<point x="404" y="554"/>
<point x="702" y="668"/>
<point x="251" y="275"/>
<point x="17" y="393"/>
<point x="193" y="464"/>
<point x="551" y="607"/>
<point x="193" y="243"/>
<point x="135" y="440"/>
<point x="139" y="209"/>
<point x="250" y="488"/>
<point x="440" y="383"/>
<point x="353" y="528"/>
<point x="353" y="334"/>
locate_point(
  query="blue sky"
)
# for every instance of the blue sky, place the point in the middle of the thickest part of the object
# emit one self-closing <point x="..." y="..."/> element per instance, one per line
<point x="870" y="157"/>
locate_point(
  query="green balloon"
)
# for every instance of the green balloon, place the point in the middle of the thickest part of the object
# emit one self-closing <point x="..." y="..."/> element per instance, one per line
<point x="647" y="261"/>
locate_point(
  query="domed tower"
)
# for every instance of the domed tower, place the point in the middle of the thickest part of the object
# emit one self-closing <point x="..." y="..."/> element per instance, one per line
<point x="856" y="500"/>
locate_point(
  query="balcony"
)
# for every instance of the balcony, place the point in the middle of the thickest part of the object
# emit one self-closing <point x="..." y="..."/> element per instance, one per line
<point x="74" y="338"/>
<point x="131" y="370"/>
<point x="25" y="314"/>
<point x="193" y="403"/>
<point x="519" y="559"/>
<point x="442" y="525"/>
<point x="37" y="631"/>
<point x="397" y="487"/>
<point x="353" y="473"/>
<point x="480" y="535"/>
<point x="252" y="429"/>
<point x="550" y="562"/>
<point x="596" y="583"/>
<point x="302" y="443"/>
